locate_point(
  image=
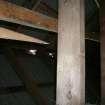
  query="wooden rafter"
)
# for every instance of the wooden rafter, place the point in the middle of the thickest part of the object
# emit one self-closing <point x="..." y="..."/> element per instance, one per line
<point x="43" y="7"/>
<point x="16" y="14"/>
<point x="12" y="35"/>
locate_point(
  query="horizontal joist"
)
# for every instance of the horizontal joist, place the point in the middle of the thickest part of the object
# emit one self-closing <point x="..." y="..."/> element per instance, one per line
<point x="16" y="14"/>
<point x="12" y="35"/>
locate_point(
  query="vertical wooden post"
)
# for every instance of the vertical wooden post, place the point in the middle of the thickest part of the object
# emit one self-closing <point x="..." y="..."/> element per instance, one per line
<point x="71" y="53"/>
<point x="102" y="24"/>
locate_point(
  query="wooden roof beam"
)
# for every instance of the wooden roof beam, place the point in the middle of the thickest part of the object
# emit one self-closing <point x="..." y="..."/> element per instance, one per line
<point x="16" y="14"/>
<point x="12" y="35"/>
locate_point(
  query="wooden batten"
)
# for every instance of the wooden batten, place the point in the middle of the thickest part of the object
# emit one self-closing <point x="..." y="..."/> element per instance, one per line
<point x="12" y="35"/>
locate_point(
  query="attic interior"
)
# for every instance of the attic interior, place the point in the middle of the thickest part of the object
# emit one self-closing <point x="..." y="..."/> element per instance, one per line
<point x="28" y="74"/>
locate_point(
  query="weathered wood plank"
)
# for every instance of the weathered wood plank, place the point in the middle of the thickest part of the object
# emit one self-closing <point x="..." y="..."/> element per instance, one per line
<point x="9" y="34"/>
<point x="16" y="14"/>
<point x="71" y="53"/>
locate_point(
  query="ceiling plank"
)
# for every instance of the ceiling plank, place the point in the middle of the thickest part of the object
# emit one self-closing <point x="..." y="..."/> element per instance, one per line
<point x="16" y="14"/>
<point x="12" y="35"/>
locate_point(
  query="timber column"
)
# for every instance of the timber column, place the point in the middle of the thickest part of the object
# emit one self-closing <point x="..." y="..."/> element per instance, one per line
<point x="102" y="24"/>
<point x="71" y="53"/>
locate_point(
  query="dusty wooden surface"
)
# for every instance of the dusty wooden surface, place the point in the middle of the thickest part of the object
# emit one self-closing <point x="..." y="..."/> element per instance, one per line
<point x="71" y="53"/>
<point x="16" y="14"/>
